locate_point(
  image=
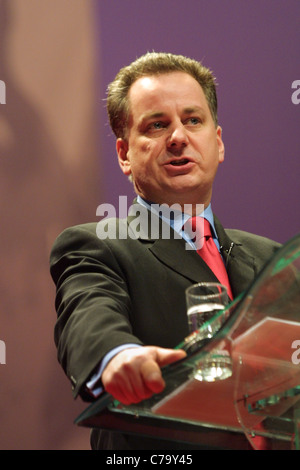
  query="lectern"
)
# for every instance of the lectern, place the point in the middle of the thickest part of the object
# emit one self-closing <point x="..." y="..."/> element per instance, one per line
<point x="249" y="396"/>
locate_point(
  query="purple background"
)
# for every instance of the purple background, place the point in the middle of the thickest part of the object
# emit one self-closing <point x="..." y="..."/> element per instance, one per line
<point x="253" y="47"/>
<point x="50" y="156"/>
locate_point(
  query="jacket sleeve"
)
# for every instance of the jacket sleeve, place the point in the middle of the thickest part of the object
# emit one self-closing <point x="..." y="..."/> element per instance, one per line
<point x="92" y="303"/>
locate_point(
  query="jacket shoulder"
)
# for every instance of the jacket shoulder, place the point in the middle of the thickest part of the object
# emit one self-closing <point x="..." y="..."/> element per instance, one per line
<point x="255" y="244"/>
<point x="240" y="236"/>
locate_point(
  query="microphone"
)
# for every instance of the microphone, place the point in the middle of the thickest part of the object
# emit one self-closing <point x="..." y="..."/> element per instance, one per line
<point x="227" y="253"/>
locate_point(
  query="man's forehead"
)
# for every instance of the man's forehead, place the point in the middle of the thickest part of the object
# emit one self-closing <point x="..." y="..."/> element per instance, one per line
<point x="150" y="82"/>
<point x="174" y="85"/>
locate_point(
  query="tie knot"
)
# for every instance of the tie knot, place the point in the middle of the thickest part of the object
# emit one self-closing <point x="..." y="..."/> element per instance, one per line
<point x="204" y="226"/>
<point x="197" y="228"/>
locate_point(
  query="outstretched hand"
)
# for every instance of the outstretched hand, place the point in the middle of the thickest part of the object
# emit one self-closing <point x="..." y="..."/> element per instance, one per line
<point x="135" y="374"/>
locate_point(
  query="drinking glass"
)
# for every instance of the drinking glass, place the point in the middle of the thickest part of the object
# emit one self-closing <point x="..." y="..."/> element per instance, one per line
<point x="205" y="302"/>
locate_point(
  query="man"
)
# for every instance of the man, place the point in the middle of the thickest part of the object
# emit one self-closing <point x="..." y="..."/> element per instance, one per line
<point x="120" y="300"/>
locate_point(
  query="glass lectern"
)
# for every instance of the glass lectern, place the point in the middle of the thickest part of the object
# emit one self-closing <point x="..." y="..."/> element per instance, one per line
<point x="251" y="397"/>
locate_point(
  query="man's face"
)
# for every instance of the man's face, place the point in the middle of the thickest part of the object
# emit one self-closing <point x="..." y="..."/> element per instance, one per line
<point x="173" y="147"/>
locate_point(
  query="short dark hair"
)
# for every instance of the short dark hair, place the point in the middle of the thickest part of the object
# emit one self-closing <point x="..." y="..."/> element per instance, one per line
<point x="155" y="63"/>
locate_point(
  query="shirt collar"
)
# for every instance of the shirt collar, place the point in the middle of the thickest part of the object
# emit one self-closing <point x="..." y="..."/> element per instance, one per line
<point x="176" y="219"/>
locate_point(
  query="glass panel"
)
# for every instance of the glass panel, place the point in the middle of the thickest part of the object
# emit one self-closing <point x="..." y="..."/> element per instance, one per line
<point x="265" y="346"/>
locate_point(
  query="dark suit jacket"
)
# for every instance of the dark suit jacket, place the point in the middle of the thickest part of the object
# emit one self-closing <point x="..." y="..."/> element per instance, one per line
<point x="116" y="291"/>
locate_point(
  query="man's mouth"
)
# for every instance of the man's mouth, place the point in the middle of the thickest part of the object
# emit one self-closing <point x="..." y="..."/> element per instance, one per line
<point x="179" y="162"/>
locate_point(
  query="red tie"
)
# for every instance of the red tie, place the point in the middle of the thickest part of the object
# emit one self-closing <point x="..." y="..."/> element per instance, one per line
<point x="208" y="250"/>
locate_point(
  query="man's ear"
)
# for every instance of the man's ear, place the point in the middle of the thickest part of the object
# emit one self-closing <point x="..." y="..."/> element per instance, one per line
<point x="122" y="151"/>
<point x="220" y="144"/>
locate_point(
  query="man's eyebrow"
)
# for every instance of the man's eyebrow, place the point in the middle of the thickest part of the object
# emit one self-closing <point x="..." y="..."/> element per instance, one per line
<point x="150" y="116"/>
<point x="155" y="115"/>
<point x="160" y="114"/>
<point x="193" y="109"/>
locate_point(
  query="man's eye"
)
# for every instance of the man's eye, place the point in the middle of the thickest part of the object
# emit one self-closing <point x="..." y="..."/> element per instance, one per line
<point x="156" y="125"/>
<point x="194" y="121"/>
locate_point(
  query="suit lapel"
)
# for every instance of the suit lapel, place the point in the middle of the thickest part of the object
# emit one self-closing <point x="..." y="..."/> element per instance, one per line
<point x="241" y="266"/>
<point x="171" y="250"/>
<point x="167" y="246"/>
<point x="188" y="263"/>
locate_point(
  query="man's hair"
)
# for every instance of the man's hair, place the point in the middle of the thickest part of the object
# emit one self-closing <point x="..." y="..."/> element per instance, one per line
<point x="154" y="63"/>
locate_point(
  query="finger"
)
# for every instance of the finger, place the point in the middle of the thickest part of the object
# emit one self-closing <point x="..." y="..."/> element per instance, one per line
<point x="151" y="371"/>
<point x="125" y="384"/>
<point x="137" y="387"/>
<point x="152" y="376"/>
<point x="120" y="390"/>
<point x="168" y="356"/>
<point x="131" y="389"/>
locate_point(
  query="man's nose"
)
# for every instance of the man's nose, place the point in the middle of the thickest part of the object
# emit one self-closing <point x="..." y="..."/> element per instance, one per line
<point x="178" y="137"/>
